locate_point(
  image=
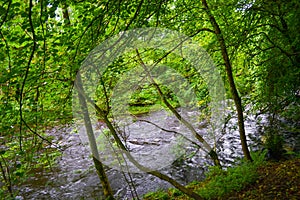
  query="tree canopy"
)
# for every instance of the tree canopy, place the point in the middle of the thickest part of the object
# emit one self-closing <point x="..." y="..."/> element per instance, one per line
<point x="254" y="44"/>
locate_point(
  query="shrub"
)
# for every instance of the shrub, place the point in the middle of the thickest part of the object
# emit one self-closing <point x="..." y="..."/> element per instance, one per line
<point x="161" y="195"/>
<point x="233" y="179"/>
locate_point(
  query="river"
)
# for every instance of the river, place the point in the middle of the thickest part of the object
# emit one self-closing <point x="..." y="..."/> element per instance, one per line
<point x="74" y="176"/>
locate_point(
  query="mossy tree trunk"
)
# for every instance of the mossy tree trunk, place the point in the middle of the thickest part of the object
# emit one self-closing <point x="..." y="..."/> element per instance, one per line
<point x="228" y="68"/>
<point x="92" y="141"/>
<point x="211" y="152"/>
<point x="164" y="177"/>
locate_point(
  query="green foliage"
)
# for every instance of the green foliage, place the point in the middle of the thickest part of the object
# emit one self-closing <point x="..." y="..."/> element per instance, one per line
<point x="42" y="50"/>
<point x="274" y="65"/>
<point x="139" y="110"/>
<point x="156" y="195"/>
<point x="222" y="182"/>
<point x="274" y="143"/>
<point x="218" y="182"/>
<point x="292" y="113"/>
<point x="147" y="98"/>
<point x="144" y="96"/>
<point x="175" y="192"/>
<point x="19" y="165"/>
<point x="172" y="193"/>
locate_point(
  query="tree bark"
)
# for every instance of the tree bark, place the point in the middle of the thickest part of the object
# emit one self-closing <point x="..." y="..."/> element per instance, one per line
<point x="92" y="141"/>
<point x="211" y="152"/>
<point x="177" y="185"/>
<point x="114" y="133"/>
<point x="234" y="92"/>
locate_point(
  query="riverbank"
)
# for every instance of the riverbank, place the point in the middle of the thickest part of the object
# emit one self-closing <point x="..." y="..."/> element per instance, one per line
<point x="276" y="180"/>
<point x="272" y="180"/>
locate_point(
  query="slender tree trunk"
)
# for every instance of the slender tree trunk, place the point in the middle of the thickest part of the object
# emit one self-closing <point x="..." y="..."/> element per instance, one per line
<point x="92" y="141"/>
<point x="211" y="152"/>
<point x="182" y="188"/>
<point x="114" y="133"/>
<point x="7" y="180"/>
<point x="228" y="67"/>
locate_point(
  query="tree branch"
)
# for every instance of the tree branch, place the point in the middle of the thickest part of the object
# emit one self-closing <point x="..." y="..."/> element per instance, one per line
<point x="26" y="72"/>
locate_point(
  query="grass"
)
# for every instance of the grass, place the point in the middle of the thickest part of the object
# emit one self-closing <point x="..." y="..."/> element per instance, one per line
<point x="140" y="110"/>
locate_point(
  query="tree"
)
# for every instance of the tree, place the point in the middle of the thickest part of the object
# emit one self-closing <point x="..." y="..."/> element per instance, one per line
<point x="92" y="141"/>
<point x="44" y="42"/>
<point x="228" y="67"/>
<point x="277" y="54"/>
<point x="273" y="48"/>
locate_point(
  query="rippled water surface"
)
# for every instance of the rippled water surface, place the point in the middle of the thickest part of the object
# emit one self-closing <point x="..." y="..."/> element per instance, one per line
<point x="74" y="176"/>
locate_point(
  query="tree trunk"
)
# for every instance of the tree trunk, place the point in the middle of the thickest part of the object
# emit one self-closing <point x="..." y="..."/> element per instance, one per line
<point x="211" y="152"/>
<point x="177" y="185"/>
<point x="228" y="67"/>
<point x="92" y="141"/>
<point x="114" y="133"/>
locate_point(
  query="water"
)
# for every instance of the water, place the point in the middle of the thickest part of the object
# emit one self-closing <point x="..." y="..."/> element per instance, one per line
<point x="74" y="176"/>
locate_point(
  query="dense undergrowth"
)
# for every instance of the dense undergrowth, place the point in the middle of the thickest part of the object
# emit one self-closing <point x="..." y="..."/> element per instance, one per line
<point x="260" y="179"/>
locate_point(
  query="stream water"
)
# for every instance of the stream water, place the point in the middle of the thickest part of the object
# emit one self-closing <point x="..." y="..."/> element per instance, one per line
<point x="74" y="176"/>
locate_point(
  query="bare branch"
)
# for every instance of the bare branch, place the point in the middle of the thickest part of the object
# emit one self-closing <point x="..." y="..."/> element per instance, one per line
<point x="170" y="131"/>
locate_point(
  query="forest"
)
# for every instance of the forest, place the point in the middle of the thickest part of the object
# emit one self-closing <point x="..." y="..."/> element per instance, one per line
<point x="149" y="99"/>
